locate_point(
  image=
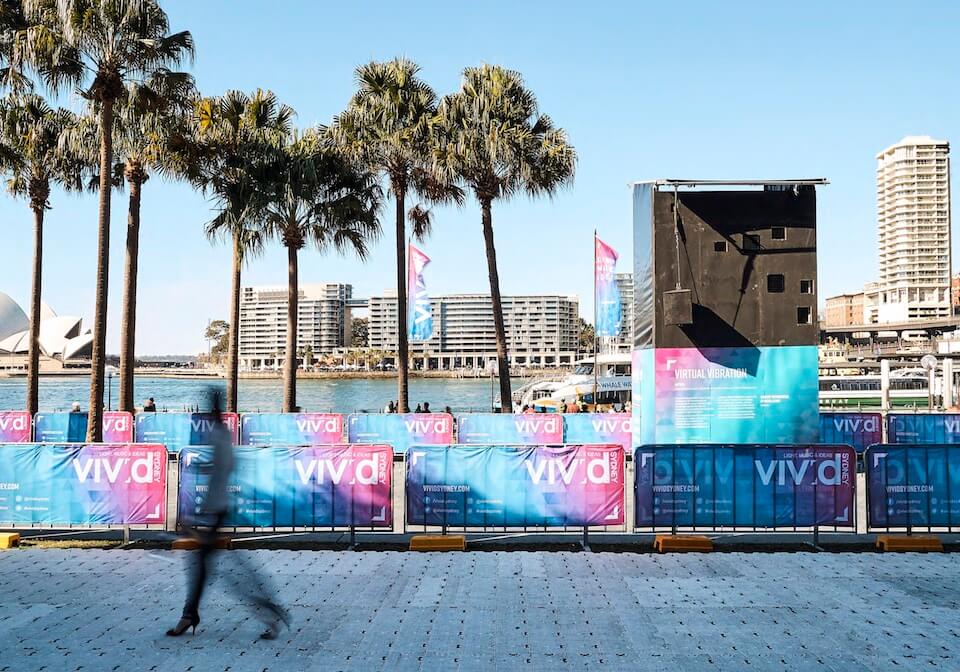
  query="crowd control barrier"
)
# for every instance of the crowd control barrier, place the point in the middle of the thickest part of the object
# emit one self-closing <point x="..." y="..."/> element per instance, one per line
<point x="47" y="485"/>
<point x="711" y="487"/>
<point x="859" y="430"/>
<point x="400" y="430"/>
<point x="514" y="487"/>
<point x="295" y="487"/>
<point x="509" y="428"/>
<point x="913" y="487"/>
<point x="14" y="427"/>
<point x="72" y="427"/>
<point x="292" y="429"/>
<point x="914" y="428"/>
<point x="598" y="428"/>
<point x="177" y="430"/>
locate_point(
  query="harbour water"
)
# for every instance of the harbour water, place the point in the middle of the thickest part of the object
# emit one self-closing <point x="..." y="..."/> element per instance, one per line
<point x="326" y="395"/>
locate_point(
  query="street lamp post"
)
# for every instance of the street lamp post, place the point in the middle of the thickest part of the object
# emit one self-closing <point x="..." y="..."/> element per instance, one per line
<point x="110" y="371"/>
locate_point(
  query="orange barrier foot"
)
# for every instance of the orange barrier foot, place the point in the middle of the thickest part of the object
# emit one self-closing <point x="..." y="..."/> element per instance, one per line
<point x="899" y="543"/>
<point x="438" y="542"/>
<point x="9" y="539"/>
<point x="192" y="544"/>
<point x="667" y="543"/>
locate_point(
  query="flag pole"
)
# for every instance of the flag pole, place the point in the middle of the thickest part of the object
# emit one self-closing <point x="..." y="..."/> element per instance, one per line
<point x="596" y="337"/>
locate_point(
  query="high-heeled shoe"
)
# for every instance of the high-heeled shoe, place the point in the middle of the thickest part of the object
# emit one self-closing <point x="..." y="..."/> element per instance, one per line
<point x="281" y="616"/>
<point x="182" y="625"/>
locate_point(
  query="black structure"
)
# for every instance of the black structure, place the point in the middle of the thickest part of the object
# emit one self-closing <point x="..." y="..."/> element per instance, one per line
<point x="730" y="264"/>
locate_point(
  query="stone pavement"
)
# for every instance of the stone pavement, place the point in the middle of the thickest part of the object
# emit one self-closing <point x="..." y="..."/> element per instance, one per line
<point x="108" y="610"/>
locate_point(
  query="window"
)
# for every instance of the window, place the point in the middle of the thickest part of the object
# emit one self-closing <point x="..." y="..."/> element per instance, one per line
<point x="720" y="246"/>
<point x="806" y="286"/>
<point x="778" y="233"/>
<point x="751" y="242"/>
<point x="775" y="283"/>
<point x="803" y="315"/>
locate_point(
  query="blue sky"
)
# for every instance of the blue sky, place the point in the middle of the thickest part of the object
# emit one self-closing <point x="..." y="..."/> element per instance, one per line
<point x="645" y="90"/>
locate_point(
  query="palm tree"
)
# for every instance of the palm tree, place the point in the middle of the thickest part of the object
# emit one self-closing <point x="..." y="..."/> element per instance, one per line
<point x="491" y="136"/>
<point x="31" y="154"/>
<point x="13" y="25"/>
<point x="100" y="46"/>
<point x="313" y="196"/>
<point x="221" y="152"/>
<point x="387" y="126"/>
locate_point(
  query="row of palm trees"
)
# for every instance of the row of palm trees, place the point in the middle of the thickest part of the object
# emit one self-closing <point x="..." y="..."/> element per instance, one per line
<point x="320" y="187"/>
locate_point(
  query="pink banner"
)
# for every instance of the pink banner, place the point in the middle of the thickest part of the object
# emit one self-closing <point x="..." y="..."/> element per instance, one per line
<point x="14" y="427"/>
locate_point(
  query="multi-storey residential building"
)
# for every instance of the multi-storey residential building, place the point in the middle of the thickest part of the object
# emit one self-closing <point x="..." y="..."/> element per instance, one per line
<point x="322" y="322"/>
<point x="844" y="310"/>
<point x="624" y="342"/>
<point x="541" y="330"/>
<point x="913" y="216"/>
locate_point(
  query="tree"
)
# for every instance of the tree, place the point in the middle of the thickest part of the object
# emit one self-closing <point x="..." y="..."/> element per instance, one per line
<point x="314" y="196"/>
<point x="218" y="331"/>
<point x="222" y="152"/>
<point x="359" y="332"/>
<point x="491" y="136"/>
<point x="586" y="335"/>
<point x="13" y="26"/>
<point x="100" y="46"/>
<point x="32" y="155"/>
<point x="387" y="126"/>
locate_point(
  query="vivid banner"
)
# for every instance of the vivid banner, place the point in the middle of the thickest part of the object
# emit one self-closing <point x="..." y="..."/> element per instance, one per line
<point x="76" y="484"/>
<point x="607" y="294"/>
<point x="176" y="430"/>
<point x="598" y="428"/>
<point x="913" y="485"/>
<point x="923" y="428"/>
<point x="713" y="485"/>
<point x="400" y="430"/>
<point x="295" y="486"/>
<point x="520" y="428"/>
<point x="291" y="429"/>
<point x="859" y="430"/>
<point x="72" y="427"/>
<point x="515" y="486"/>
<point x="419" y="312"/>
<point x="14" y="427"/>
<point x="727" y="395"/>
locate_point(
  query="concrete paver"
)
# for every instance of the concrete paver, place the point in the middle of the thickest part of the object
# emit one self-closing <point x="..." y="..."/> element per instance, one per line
<point x="108" y="610"/>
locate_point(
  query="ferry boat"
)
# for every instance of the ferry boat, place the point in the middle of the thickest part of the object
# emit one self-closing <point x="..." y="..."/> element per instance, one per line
<point x="552" y="393"/>
<point x="908" y="388"/>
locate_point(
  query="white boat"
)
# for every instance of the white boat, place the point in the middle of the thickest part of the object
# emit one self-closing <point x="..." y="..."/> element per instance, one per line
<point x="551" y="392"/>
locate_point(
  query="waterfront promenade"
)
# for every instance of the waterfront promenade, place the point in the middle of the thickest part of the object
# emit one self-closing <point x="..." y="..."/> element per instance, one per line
<point x="108" y="609"/>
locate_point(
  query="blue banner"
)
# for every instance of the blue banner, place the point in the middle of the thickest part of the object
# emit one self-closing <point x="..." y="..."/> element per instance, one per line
<point x="176" y="430"/>
<point x="515" y="486"/>
<point x="859" y="430"/>
<point x="509" y="428"/>
<point x="609" y="310"/>
<point x="923" y="428"/>
<point x="291" y="429"/>
<point x="913" y="485"/>
<point x="709" y="486"/>
<point x="726" y="395"/>
<point x="72" y="427"/>
<point x="598" y="428"/>
<point x="400" y="430"/>
<point x="295" y="486"/>
<point x="76" y="484"/>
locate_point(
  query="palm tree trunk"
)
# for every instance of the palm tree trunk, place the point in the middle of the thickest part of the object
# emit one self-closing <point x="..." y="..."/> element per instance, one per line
<point x="506" y="403"/>
<point x="233" y="364"/>
<point x="290" y="365"/>
<point x="128" y="327"/>
<point x="33" y="370"/>
<point x="98" y="358"/>
<point x="403" y="346"/>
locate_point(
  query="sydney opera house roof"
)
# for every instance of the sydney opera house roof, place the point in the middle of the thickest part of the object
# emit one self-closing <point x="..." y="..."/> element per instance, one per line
<point x="60" y="336"/>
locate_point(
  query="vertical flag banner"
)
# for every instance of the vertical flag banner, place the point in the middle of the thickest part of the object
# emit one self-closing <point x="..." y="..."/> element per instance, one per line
<point x="77" y="484"/>
<point x="419" y="313"/>
<point x="14" y="427"/>
<point x="609" y="315"/>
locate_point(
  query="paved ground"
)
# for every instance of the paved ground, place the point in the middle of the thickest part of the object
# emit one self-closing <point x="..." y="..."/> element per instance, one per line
<point x="107" y="610"/>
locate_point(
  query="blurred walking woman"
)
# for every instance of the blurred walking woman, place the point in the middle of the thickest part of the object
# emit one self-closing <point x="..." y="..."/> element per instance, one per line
<point x="246" y="582"/>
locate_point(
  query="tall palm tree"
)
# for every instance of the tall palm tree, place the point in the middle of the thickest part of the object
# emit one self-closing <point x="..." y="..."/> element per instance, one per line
<point x="314" y="196"/>
<point x="32" y="155"/>
<point x="222" y="152"/>
<point x="387" y="126"/>
<point x="13" y="25"/>
<point x="491" y="136"/>
<point x="100" y="46"/>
